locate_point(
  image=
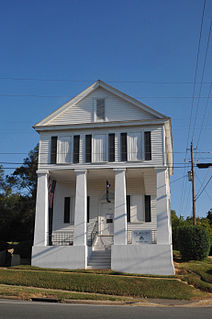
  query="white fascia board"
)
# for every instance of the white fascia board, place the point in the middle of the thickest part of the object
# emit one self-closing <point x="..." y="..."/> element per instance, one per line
<point x="101" y="125"/>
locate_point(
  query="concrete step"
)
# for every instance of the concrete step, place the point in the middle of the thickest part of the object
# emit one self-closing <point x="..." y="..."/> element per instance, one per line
<point x="100" y="259"/>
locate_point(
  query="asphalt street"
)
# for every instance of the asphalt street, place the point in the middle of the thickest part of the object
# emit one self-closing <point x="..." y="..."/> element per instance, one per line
<point x="32" y="310"/>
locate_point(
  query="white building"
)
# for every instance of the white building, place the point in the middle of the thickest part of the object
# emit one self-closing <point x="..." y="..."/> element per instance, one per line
<point x="110" y="158"/>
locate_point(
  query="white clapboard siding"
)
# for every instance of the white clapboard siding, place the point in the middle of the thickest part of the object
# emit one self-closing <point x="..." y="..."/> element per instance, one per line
<point x="137" y="208"/>
<point x="150" y="225"/>
<point x="116" y="109"/>
<point x="64" y="150"/>
<point x="134" y="146"/>
<point x="98" y="148"/>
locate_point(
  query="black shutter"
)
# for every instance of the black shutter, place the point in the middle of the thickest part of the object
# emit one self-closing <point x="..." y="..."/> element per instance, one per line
<point x="147" y="208"/>
<point x="67" y="210"/>
<point x="100" y="109"/>
<point x="148" y="148"/>
<point x="76" y="148"/>
<point x="123" y="147"/>
<point x="128" y="208"/>
<point x="88" y="148"/>
<point x="88" y="209"/>
<point x="111" y="147"/>
<point x="53" y="150"/>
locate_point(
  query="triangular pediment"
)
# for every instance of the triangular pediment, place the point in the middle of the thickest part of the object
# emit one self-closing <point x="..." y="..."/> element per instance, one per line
<point x="118" y="107"/>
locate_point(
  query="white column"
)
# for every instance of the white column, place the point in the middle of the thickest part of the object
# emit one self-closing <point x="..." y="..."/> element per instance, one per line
<point x="41" y="214"/>
<point x="80" y="219"/>
<point x="163" y="208"/>
<point x="120" y="208"/>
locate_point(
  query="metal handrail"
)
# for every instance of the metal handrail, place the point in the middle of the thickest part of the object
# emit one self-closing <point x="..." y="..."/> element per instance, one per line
<point x="94" y="232"/>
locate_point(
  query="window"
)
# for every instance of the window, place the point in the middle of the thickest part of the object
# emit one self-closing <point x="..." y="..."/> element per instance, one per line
<point x="123" y="147"/>
<point x="98" y="148"/>
<point x="111" y="147"/>
<point x="88" y="148"/>
<point x="147" y="208"/>
<point x="76" y="148"/>
<point x="100" y="109"/>
<point x="53" y="159"/>
<point x="67" y="201"/>
<point x="88" y="209"/>
<point x="128" y="208"/>
<point x="148" y="147"/>
<point x="64" y="150"/>
<point x="134" y="146"/>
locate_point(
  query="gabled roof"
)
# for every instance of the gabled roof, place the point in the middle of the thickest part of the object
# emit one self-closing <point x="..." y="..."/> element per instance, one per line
<point x="92" y="88"/>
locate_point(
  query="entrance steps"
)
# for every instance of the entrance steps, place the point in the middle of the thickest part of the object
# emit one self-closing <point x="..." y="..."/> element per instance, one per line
<point x="100" y="259"/>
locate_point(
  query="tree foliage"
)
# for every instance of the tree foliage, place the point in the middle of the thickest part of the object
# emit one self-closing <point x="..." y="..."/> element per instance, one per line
<point x="17" y="200"/>
<point x="193" y="241"/>
<point x="178" y="222"/>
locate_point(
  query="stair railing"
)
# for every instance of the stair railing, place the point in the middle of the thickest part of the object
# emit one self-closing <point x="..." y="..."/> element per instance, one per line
<point x="94" y="232"/>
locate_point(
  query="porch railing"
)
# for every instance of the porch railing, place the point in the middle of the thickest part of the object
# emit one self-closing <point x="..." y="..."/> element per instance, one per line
<point x="62" y="238"/>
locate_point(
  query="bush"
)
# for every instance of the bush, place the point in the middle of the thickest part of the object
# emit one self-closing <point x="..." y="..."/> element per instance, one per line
<point x="193" y="241"/>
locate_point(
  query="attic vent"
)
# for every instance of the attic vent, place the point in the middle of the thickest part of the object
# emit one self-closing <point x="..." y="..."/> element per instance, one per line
<point x="100" y="109"/>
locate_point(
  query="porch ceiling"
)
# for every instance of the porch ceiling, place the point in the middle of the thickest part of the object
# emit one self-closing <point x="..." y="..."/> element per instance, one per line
<point x="96" y="174"/>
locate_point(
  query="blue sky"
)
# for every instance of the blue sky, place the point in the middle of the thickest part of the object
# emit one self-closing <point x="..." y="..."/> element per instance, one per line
<point x="146" y="48"/>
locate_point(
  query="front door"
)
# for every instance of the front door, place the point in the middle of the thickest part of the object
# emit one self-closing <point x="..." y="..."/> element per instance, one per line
<point x="106" y="216"/>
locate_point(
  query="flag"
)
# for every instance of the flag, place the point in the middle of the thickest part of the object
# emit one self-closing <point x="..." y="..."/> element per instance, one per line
<point x="51" y="189"/>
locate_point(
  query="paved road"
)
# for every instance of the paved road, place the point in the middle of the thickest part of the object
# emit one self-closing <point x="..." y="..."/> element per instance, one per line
<point x="29" y="310"/>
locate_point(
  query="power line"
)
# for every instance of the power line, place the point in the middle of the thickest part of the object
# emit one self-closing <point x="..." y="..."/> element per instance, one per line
<point x="193" y="94"/>
<point x="202" y="77"/>
<point x="204" y="113"/>
<point x="92" y="80"/>
<point x="204" y="188"/>
<point x="70" y="97"/>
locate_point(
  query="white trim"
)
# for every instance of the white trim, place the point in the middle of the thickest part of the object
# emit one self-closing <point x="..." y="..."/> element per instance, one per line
<point x="100" y="125"/>
<point x="90" y="89"/>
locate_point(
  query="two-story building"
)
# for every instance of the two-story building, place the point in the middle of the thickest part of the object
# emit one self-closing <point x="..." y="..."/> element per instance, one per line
<point x="103" y="194"/>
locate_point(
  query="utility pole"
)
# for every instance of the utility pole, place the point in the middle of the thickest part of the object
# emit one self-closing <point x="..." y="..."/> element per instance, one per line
<point x="193" y="186"/>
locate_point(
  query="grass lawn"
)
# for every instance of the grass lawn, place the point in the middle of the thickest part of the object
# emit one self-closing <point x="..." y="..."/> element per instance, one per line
<point x="92" y="285"/>
<point x="197" y="273"/>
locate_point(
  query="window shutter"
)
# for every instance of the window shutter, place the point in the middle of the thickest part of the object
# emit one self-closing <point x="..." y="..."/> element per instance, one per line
<point x="111" y="147"/>
<point x="148" y="147"/>
<point x="88" y="149"/>
<point x="76" y="148"/>
<point x="67" y="210"/>
<point x="98" y="148"/>
<point x="123" y="147"/>
<point x="64" y="150"/>
<point x="128" y="208"/>
<point x="147" y="208"/>
<point x="88" y="209"/>
<point x="53" y="150"/>
<point x="100" y="109"/>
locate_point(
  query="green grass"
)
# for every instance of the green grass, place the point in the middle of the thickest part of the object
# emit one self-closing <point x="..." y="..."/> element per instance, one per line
<point x="199" y="274"/>
<point x="27" y="293"/>
<point x="116" y="285"/>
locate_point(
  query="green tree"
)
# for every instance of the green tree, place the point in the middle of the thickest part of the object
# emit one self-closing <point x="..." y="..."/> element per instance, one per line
<point x="17" y="200"/>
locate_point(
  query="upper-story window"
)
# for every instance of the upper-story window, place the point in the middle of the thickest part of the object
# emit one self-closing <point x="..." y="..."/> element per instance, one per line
<point x="100" y="109"/>
<point x="123" y="147"/>
<point x="88" y="148"/>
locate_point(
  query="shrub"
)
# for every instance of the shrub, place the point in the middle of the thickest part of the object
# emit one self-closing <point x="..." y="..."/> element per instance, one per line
<point x="194" y="242"/>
